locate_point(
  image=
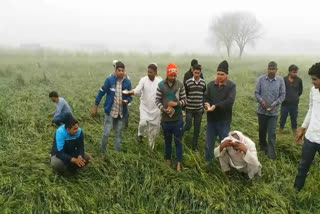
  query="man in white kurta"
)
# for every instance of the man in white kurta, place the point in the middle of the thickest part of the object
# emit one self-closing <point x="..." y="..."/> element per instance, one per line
<point x="149" y="113"/>
<point x="239" y="152"/>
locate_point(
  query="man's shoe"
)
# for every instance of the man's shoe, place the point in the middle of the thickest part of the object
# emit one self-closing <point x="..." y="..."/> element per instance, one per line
<point x="140" y="138"/>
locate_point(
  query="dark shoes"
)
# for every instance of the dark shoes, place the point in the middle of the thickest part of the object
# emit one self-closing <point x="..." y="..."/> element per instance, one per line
<point x="140" y="138"/>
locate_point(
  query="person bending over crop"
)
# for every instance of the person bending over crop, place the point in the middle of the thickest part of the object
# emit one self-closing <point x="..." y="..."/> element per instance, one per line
<point x="63" y="111"/>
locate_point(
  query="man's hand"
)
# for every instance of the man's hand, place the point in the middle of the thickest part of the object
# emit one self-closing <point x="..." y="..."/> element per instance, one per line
<point x="167" y="110"/>
<point x="212" y="108"/>
<point x="131" y="92"/>
<point x="172" y="103"/>
<point x="206" y="106"/>
<point x="240" y="147"/>
<point x="80" y="162"/>
<point x="95" y="111"/>
<point x="272" y="107"/>
<point x="225" y="144"/>
<point x="263" y="104"/>
<point x="300" y="134"/>
<point x="124" y="102"/>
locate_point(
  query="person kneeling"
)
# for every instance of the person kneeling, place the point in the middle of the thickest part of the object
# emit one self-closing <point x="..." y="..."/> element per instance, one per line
<point x="239" y="152"/>
<point x="67" y="154"/>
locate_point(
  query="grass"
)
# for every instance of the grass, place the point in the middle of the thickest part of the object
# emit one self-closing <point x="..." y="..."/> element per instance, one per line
<point x="137" y="179"/>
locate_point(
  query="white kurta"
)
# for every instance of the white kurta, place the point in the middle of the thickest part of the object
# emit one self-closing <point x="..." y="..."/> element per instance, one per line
<point x="147" y="90"/>
<point x="247" y="163"/>
<point x="312" y="119"/>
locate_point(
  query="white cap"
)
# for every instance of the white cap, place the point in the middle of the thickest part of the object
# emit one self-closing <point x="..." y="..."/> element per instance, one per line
<point x="155" y="64"/>
<point x="114" y="62"/>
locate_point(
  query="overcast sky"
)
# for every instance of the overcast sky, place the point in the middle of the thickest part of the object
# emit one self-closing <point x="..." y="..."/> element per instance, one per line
<point x="290" y="27"/>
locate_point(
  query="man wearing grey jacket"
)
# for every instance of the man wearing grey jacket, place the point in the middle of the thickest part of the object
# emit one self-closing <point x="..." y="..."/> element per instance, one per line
<point x="63" y="111"/>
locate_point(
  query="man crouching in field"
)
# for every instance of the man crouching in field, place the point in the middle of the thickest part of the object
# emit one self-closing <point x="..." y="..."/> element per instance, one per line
<point x="63" y="111"/>
<point x="311" y="129"/>
<point x="67" y="153"/>
<point x="239" y="152"/>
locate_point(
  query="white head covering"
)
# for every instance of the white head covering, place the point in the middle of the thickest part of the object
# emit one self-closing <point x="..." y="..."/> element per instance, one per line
<point x="239" y="134"/>
<point x="114" y="62"/>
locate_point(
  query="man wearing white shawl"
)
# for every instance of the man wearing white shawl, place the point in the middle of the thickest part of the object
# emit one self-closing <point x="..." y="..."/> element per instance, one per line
<point x="149" y="113"/>
<point x="239" y="152"/>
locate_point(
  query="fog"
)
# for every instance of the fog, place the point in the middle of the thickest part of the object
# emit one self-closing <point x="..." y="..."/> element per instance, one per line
<point x="155" y="26"/>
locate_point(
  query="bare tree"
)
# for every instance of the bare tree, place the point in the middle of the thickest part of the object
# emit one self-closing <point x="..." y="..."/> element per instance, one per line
<point x="240" y="27"/>
<point x="248" y="30"/>
<point x="223" y="29"/>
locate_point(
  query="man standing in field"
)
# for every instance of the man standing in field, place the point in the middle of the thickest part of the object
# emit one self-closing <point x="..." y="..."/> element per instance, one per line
<point x="115" y="106"/>
<point x="219" y="99"/>
<point x="63" y="111"/>
<point x="149" y="113"/>
<point x="189" y="73"/>
<point x="195" y="89"/>
<point x="290" y="104"/>
<point x="270" y="93"/>
<point x="126" y="117"/>
<point x="67" y="153"/>
<point x="170" y="99"/>
<point x="310" y="128"/>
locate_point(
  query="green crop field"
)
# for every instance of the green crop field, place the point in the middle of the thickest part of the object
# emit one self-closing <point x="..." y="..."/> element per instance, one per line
<point x="137" y="179"/>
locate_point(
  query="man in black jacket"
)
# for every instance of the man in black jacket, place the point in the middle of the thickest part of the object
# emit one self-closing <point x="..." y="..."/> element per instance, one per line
<point x="67" y="153"/>
<point x="294" y="90"/>
<point x="219" y="99"/>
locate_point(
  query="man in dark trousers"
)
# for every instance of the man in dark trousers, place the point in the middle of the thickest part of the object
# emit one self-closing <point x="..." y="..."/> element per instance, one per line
<point x="270" y="93"/>
<point x="189" y="73"/>
<point x="219" y="99"/>
<point x="170" y="99"/>
<point x="195" y="89"/>
<point x="290" y="104"/>
<point x="67" y="153"/>
<point x="310" y="130"/>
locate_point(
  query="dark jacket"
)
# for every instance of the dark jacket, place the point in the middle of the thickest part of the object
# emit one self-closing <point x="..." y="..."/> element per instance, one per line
<point x="293" y="91"/>
<point x="109" y="88"/>
<point x="66" y="147"/>
<point x="223" y="98"/>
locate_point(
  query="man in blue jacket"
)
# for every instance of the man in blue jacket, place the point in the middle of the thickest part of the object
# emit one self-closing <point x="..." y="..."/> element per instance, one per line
<point x="67" y="153"/>
<point x="115" y="106"/>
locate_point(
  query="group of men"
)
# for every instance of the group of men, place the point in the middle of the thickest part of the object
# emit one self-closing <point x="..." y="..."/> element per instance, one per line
<point x="162" y="102"/>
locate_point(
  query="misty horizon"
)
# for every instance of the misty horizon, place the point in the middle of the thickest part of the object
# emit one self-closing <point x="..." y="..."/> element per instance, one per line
<point x="154" y="26"/>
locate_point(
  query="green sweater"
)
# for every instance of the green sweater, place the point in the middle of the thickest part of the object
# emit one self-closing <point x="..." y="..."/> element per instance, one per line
<point x="166" y="93"/>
